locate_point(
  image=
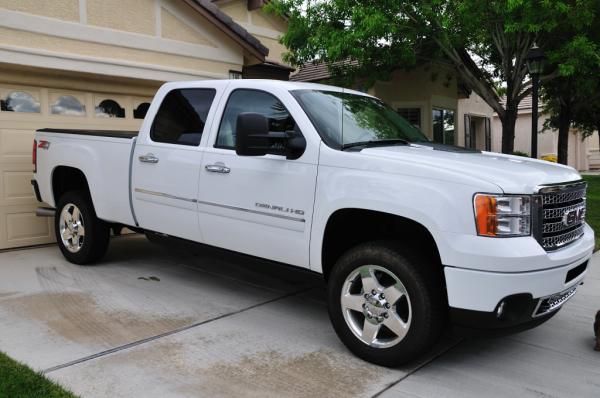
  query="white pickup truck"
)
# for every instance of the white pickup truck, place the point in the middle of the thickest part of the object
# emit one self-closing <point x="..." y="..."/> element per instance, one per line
<point x="408" y="234"/>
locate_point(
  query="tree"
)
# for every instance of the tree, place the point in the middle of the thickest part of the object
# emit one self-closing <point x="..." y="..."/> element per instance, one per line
<point x="573" y="99"/>
<point x="486" y="41"/>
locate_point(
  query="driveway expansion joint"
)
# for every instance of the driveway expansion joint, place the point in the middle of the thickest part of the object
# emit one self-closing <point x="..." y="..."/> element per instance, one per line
<point x="171" y="332"/>
<point x="415" y="370"/>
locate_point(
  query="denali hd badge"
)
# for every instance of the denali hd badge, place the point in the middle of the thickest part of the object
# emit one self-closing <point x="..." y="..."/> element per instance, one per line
<point x="574" y="216"/>
<point x="280" y="209"/>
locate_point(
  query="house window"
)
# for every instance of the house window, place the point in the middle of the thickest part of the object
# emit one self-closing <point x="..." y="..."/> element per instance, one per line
<point x="235" y="74"/>
<point x="141" y="110"/>
<point x="110" y="108"/>
<point x="20" y="101"/>
<point x="412" y="115"/>
<point x="67" y="105"/>
<point x="443" y="126"/>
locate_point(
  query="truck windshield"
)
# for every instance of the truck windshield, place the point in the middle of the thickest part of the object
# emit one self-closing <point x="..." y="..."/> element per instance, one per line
<point x="348" y="120"/>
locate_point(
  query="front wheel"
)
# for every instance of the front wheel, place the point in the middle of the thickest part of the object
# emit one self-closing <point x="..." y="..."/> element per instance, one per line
<point x="385" y="305"/>
<point x="82" y="237"/>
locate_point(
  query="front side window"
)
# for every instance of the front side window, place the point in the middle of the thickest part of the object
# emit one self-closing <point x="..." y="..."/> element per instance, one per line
<point x="241" y="101"/>
<point x="182" y="116"/>
<point x="20" y="101"/>
<point x="344" y="119"/>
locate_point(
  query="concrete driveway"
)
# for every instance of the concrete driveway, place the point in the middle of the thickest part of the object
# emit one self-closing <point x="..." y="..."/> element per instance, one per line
<point x="156" y="322"/>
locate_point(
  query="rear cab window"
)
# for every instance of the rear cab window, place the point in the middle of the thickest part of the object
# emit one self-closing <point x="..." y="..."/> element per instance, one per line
<point x="182" y="116"/>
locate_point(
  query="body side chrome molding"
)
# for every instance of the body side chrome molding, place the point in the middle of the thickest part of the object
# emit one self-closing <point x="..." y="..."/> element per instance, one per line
<point x="262" y="213"/>
<point x="164" y="195"/>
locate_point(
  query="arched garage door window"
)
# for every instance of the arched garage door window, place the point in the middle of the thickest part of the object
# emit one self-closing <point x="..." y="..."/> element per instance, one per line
<point x="68" y="105"/>
<point x="20" y="101"/>
<point x="110" y="108"/>
<point x="141" y="110"/>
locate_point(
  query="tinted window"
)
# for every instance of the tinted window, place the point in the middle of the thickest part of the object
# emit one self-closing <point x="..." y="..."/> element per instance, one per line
<point x="252" y="101"/>
<point x="181" y="116"/>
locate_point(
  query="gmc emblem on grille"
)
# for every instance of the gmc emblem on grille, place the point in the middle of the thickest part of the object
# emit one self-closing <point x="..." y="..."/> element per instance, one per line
<point x="574" y="216"/>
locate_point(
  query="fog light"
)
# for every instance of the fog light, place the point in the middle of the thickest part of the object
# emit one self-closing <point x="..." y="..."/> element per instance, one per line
<point x="500" y="310"/>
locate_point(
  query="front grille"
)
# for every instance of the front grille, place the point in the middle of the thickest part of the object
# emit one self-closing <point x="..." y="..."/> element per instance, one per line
<point x="562" y="214"/>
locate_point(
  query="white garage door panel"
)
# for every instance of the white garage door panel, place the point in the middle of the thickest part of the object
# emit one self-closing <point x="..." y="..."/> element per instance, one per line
<point x="18" y="224"/>
<point x="16" y="187"/>
<point x="16" y="145"/>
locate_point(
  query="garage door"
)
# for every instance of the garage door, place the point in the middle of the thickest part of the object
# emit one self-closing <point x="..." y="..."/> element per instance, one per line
<point x="23" y="109"/>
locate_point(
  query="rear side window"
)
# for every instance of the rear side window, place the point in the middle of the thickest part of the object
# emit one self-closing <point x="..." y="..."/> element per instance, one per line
<point x="182" y="116"/>
<point x="246" y="100"/>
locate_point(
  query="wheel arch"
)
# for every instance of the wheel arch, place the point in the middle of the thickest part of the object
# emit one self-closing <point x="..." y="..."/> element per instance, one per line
<point x="67" y="178"/>
<point x="348" y="227"/>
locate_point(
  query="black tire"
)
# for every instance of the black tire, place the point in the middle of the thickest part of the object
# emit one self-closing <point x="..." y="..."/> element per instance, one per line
<point x="94" y="243"/>
<point x="422" y="281"/>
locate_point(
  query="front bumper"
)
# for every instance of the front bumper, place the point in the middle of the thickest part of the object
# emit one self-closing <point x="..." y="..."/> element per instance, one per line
<point x="511" y="301"/>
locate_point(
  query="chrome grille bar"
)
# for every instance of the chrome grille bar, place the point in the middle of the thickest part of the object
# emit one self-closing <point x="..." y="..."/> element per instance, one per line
<point x="562" y="214"/>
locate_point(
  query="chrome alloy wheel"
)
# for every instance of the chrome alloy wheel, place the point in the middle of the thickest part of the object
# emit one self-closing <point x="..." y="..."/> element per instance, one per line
<point x="72" y="230"/>
<point x="376" y="306"/>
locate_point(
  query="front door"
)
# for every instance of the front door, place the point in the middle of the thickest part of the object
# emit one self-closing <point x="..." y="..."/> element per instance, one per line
<point x="258" y="205"/>
<point x="166" y="164"/>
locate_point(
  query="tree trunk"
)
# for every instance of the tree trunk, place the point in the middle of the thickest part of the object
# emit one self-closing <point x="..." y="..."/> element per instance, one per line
<point x="564" y="125"/>
<point x="508" y="130"/>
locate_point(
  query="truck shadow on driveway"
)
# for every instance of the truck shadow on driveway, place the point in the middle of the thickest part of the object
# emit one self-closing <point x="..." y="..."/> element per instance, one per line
<point x="178" y="318"/>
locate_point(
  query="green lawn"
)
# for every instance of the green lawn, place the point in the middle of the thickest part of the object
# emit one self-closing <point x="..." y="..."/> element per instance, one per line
<point x="18" y="381"/>
<point x="593" y="205"/>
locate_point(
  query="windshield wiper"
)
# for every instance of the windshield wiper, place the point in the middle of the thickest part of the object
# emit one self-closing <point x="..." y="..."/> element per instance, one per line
<point x="372" y="143"/>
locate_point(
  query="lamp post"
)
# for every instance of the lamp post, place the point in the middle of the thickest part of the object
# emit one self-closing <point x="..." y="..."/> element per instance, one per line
<point x="535" y="64"/>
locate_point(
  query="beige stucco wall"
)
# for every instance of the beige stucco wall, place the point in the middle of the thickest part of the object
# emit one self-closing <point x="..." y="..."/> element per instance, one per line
<point x="78" y="47"/>
<point x="433" y="86"/>
<point x="67" y="10"/>
<point x="128" y="37"/>
<point x="265" y="27"/>
<point x="130" y="15"/>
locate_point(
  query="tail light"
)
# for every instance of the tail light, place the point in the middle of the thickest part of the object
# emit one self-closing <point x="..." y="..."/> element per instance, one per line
<point x="34" y="156"/>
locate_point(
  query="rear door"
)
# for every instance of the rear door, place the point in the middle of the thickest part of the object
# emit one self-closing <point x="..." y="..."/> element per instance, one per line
<point x="166" y="163"/>
<point x="258" y="205"/>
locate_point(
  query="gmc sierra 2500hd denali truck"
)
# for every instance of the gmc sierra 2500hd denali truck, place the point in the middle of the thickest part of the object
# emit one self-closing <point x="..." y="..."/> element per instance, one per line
<point x="407" y="233"/>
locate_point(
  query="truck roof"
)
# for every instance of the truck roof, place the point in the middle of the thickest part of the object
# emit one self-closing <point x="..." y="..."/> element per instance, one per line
<point x="261" y="84"/>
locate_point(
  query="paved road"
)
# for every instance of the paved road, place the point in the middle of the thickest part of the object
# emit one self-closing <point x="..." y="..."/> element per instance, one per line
<point x="156" y="322"/>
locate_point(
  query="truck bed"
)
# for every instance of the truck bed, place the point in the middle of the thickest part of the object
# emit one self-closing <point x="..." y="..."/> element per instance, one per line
<point x="100" y="133"/>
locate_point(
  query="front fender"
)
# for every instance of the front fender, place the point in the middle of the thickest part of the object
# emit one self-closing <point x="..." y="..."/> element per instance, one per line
<point x="440" y="206"/>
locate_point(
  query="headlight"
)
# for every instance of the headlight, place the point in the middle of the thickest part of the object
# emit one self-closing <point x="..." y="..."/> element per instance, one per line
<point x="502" y="215"/>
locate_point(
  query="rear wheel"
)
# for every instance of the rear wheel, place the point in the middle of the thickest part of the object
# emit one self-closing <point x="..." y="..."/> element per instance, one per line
<point x="81" y="236"/>
<point x="385" y="304"/>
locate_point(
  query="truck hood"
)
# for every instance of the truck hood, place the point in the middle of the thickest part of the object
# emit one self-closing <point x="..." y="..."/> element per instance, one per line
<point x="513" y="174"/>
